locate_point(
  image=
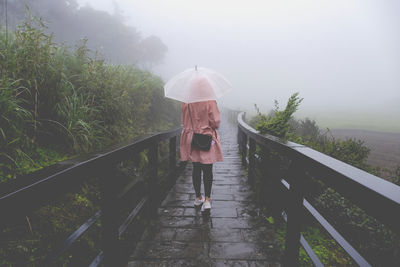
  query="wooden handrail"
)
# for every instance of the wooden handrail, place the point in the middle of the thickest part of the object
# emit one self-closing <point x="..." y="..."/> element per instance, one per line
<point x="14" y="204"/>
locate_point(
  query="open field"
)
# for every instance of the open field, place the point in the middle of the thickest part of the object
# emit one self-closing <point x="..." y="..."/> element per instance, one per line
<point x="385" y="147"/>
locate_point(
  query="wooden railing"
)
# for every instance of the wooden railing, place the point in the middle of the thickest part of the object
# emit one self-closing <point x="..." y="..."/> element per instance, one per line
<point x="143" y="195"/>
<point x="285" y="179"/>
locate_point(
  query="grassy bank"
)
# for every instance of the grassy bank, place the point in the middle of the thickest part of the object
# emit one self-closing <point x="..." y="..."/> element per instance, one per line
<point x="57" y="102"/>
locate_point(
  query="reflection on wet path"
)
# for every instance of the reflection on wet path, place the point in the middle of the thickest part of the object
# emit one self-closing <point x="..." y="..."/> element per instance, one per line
<point x="231" y="235"/>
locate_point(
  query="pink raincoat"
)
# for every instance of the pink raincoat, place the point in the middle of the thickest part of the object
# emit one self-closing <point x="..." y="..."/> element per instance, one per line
<point x="206" y="120"/>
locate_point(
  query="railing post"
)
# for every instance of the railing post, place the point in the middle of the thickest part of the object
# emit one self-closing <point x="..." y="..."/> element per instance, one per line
<point x="252" y="152"/>
<point x="244" y="149"/>
<point x="239" y="139"/>
<point x="172" y="153"/>
<point x="153" y="175"/>
<point x="109" y="215"/>
<point x="265" y="188"/>
<point x="294" y="215"/>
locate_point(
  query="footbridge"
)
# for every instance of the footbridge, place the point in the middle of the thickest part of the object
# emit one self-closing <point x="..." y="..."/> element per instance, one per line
<point x="141" y="204"/>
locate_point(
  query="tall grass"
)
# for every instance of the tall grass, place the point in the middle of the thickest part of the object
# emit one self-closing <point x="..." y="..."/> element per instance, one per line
<point x="14" y="120"/>
<point x="76" y="119"/>
<point x="62" y="100"/>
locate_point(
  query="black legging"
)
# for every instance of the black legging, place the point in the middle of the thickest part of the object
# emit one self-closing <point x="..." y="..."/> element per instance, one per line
<point x="207" y="178"/>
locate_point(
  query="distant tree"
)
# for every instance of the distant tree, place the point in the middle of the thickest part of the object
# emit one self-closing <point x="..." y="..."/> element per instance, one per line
<point x="152" y="50"/>
<point x="106" y="33"/>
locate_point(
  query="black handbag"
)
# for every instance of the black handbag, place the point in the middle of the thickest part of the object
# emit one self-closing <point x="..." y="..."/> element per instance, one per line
<point x="200" y="141"/>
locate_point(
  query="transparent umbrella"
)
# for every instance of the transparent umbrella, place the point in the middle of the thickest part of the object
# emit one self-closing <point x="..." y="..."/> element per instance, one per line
<point x="197" y="84"/>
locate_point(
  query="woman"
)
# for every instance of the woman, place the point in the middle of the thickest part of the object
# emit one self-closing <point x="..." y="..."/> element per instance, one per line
<point x="204" y="118"/>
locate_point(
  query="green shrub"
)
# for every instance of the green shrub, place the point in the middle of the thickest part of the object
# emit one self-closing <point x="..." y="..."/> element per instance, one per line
<point x="65" y="100"/>
<point x="371" y="238"/>
<point x="278" y="123"/>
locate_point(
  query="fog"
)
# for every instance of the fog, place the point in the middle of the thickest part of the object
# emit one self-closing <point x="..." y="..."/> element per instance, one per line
<point x="342" y="56"/>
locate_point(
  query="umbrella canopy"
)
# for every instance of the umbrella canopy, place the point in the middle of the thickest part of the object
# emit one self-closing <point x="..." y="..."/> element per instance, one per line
<point x="196" y="84"/>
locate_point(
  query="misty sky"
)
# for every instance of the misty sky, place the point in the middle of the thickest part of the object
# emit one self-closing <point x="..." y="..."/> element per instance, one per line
<point x="342" y="56"/>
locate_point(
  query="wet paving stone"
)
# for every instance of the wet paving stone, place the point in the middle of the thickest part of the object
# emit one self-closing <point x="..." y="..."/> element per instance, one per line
<point x="191" y="235"/>
<point x="233" y="234"/>
<point x="192" y="212"/>
<point x="225" y="182"/>
<point x="223" y="235"/>
<point x="236" y="223"/>
<point x="177" y="196"/>
<point x="218" y="204"/>
<point x="242" y="197"/>
<point x="224" y="213"/>
<point x="223" y="197"/>
<point x="177" y="203"/>
<point x="170" y="263"/>
<point x="171" y="250"/>
<point x="182" y="188"/>
<point x="259" y="234"/>
<point x="160" y="234"/>
<point x="237" y="251"/>
<point x="230" y="263"/>
<point x="171" y="211"/>
<point x="264" y="264"/>
<point x="182" y="222"/>
<point x="221" y="187"/>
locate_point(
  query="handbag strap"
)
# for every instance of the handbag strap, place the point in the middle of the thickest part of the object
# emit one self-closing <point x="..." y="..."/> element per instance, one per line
<point x="190" y="115"/>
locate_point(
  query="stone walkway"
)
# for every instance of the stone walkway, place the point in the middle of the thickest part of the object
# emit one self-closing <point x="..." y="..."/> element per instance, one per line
<point x="232" y="235"/>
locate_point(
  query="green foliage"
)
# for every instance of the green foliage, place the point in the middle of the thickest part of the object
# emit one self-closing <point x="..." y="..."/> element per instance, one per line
<point x="278" y="124"/>
<point x="76" y="117"/>
<point x="371" y="238"/>
<point x="52" y="98"/>
<point x="350" y="151"/>
<point x="13" y="125"/>
<point x="326" y="248"/>
<point x="307" y="129"/>
<point x="43" y="230"/>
